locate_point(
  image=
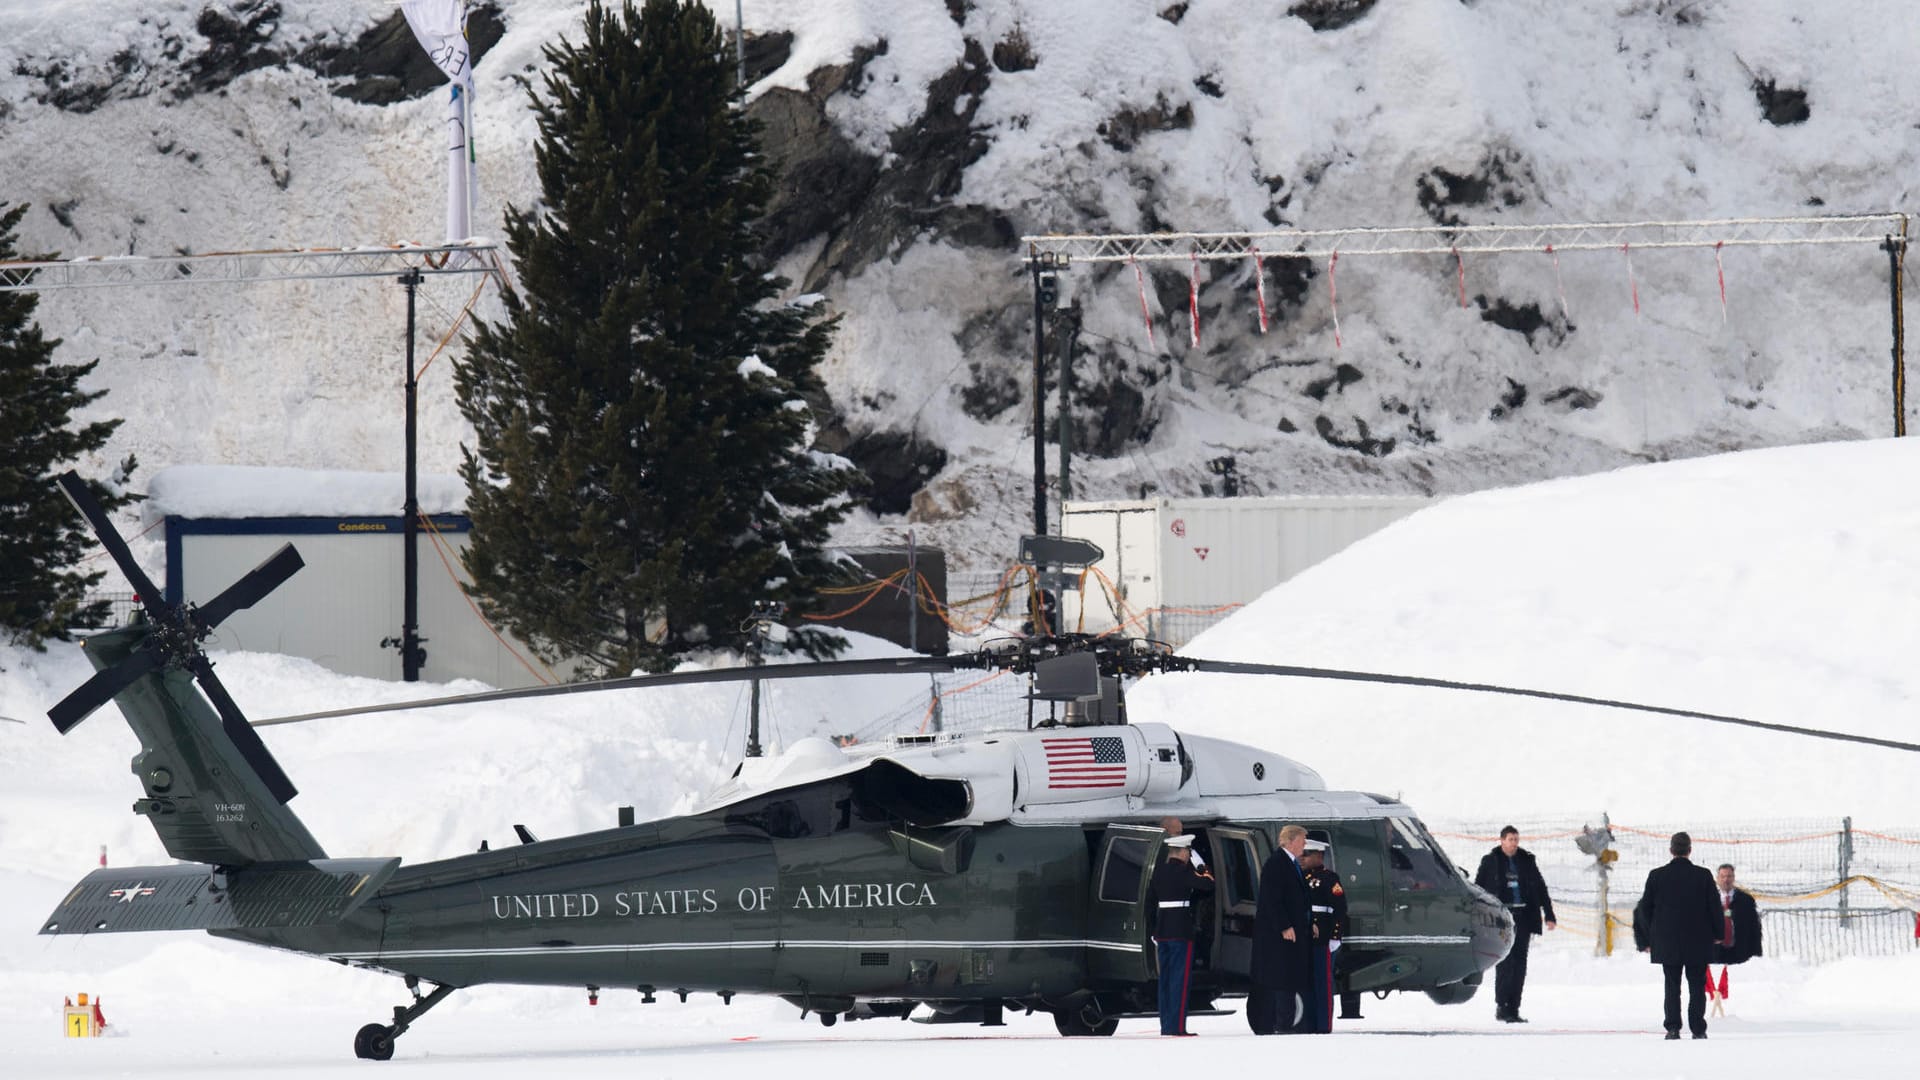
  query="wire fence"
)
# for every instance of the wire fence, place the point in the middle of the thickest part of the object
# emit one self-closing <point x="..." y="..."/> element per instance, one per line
<point x="1825" y="889"/>
<point x="121" y="604"/>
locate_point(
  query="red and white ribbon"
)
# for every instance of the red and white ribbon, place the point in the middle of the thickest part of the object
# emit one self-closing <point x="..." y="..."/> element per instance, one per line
<point x="1559" y="286"/>
<point x="1193" y="300"/>
<point x="1333" y="293"/>
<point x="1460" y="276"/>
<point x="1633" y="286"/>
<point x="1720" y="271"/>
<point x="1260" y="289"/>
<point x="1146" y="313"/>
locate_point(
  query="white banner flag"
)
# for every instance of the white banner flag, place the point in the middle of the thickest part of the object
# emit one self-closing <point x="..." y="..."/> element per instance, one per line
<point x="441" y="27"/>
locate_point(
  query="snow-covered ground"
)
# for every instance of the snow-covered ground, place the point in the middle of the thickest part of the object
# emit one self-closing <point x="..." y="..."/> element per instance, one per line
<point x="1775" y="585"/>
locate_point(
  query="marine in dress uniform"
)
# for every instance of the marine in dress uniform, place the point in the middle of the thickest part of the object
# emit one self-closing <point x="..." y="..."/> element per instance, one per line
<point x="1328" y="899"/>
<point x="1175" y="884"/>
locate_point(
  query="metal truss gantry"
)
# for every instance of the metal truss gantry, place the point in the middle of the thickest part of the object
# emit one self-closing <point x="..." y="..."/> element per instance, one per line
<point x="233" y="267"/>
<point x="1064" y="250"/>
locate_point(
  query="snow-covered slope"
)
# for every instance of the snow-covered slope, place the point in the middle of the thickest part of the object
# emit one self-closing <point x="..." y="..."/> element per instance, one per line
<point x="926" y="135"/>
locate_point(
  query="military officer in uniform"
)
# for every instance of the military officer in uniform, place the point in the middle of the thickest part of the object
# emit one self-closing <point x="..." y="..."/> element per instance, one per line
<point x="1328" y="899"/>
<point x="1175" y="885"/>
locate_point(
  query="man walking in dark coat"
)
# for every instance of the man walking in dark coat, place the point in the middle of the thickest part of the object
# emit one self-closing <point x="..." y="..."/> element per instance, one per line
<point x="1175" y="885"/>
<point x="1282" y="929"/>
<point x="1677" y="920"/>
<point x="1511" y="875"/>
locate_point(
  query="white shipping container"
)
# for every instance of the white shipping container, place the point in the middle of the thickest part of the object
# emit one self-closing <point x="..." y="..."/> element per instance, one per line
<point x="1175" y="562"/>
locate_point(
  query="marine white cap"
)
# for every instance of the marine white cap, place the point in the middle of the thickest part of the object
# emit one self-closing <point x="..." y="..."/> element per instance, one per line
<point x="1180" y="841"/>
<point x="1316" y="845"/>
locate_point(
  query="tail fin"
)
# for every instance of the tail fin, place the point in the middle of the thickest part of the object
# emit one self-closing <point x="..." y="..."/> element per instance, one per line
<point x="203" y="794"/>
<point x="208" y="898"/>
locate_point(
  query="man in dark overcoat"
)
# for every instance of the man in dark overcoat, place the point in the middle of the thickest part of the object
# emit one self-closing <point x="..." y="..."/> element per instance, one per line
<point x="1282" y="929"/>
<point x="1739" y="921"/>
<point x="1677" y="921"/>
<point x="1512" y="876"/>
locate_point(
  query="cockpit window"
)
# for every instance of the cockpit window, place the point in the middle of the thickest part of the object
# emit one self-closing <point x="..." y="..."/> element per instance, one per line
<point x="1415" y="861"/>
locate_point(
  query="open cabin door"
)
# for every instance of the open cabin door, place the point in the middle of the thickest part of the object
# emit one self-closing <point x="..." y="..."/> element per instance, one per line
<point x="1117" y="914"/>
<point x="1238" y="855"/>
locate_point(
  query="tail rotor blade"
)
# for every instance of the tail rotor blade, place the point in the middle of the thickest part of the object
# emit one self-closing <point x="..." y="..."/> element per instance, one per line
<point x="245" y="739"/>
<point x="90" y="508"/>
<point x="246" y="592"/>
<point x="97" y="691"/>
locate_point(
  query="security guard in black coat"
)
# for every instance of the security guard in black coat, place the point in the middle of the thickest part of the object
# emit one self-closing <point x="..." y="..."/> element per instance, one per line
<point x="1329" y="901"/>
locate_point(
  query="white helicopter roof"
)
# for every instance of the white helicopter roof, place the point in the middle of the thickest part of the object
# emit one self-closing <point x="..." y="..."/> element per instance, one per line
<point x="1072" y="774"/>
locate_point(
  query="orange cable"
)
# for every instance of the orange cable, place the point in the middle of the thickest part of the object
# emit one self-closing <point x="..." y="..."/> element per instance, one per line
<point x="452" y="330"/>
<point x="433" y="534"/>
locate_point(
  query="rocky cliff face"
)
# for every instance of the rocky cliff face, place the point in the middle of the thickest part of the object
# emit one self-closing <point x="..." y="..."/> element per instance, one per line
<point x="919" y="140"/>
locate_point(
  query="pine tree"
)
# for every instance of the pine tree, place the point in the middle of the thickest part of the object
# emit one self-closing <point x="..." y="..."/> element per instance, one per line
<point x="43" y="586"/>
<point x="641" y="474"/>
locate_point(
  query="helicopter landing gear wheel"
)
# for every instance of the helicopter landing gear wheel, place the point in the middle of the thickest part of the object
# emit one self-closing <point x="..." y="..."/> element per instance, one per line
<point x="1084" y="1021"/>
<point x="829" y="1019"/>
<point x="374" y="1042"/>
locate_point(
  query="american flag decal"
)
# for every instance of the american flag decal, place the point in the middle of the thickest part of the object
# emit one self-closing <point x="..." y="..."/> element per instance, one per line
<point x="1089" y="761"/>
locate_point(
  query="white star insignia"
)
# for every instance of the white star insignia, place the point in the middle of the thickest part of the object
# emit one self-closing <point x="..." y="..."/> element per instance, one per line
<point x="131" y="893"/>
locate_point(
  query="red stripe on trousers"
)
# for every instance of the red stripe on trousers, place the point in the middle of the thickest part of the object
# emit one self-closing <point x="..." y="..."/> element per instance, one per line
<point x="1186" y="979"/>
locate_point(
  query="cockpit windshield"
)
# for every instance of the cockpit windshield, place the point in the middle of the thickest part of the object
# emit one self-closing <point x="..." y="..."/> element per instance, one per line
<point x="1416" y="860"/>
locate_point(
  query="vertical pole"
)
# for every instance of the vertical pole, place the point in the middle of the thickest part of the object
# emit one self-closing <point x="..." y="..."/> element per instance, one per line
<point x="913" y="597"/>
<point x="1066" y="416"/>
<point x="1846" y="868"/>
<point x="1603" y="943"/>
<point x="410" y="652"/>
<point x="939" y="721"/>
<point x="1896" y="249"/>
<point x="1039" y="401"/>
<point x="740" y="42"/>
<point x="753" y="716"/>
<point x="1039" y="595"/>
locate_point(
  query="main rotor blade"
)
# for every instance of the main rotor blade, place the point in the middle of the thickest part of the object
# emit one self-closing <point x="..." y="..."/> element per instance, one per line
<point x="901" y="665"/>
<point x="246" y="592"/>
<point x="245" y="739"/>
<point x="97" y="691"/>
<point x="89" y="507"/>
<point x="1235" y="668"/>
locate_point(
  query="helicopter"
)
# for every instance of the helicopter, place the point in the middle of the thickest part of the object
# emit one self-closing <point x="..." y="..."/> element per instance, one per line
<point x="966" y="873"/>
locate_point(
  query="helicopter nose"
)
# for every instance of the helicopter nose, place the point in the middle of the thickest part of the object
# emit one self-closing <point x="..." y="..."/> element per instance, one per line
<point x="1492" y="931"/>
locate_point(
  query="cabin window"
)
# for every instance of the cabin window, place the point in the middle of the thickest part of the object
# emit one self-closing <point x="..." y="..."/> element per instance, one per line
<point x="1236" y="871"/>
<point x="1126" y="863"/>
<point x="1415" y="861"/>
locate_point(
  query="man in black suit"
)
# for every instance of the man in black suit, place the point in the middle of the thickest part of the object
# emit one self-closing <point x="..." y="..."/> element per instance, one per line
<point x="1678" y="920"/>
<point x="1282" y="930"/>
<point x="1510" y="874"/>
